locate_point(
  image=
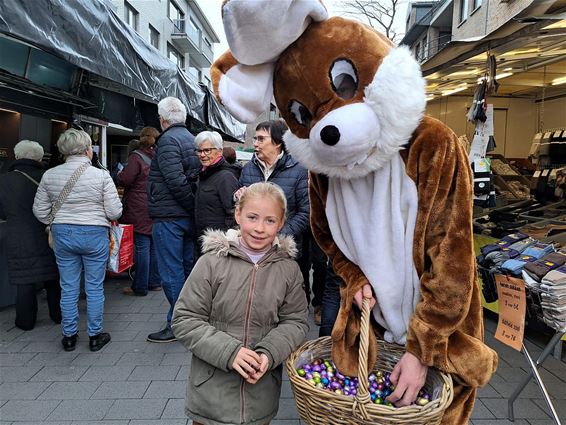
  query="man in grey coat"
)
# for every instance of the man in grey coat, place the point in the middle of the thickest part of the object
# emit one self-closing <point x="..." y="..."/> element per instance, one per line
<point x="171" y="201"/>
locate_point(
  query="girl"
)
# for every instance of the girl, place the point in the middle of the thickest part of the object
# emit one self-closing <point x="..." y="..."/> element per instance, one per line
<point x="242" y="312"/>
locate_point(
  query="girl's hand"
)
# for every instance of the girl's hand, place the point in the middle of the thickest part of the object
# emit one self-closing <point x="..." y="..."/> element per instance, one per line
<point x="247" y="362"/>
<point x="408" y="376"/>
<point x="264" y="365"/>
<point x="365" y="292"/>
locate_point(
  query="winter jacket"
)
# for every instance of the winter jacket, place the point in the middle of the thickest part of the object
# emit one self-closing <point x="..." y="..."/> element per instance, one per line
<point x="214" y="200"/>
<point x="228" y="302"/>
<point x="29" y="258"/>
<point x="173" y="175"/>
<point x="293" y="179"/>
<point x="134" y="179"/>
<point x="93" y="201"/>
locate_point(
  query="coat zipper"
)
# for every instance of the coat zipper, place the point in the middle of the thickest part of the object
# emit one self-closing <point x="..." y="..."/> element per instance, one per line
<point x="246" y="330"/>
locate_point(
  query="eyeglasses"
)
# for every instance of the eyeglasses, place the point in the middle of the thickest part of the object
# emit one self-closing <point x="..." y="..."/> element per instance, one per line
<point x="205" y="151"/>
<point x="260" y="139"/>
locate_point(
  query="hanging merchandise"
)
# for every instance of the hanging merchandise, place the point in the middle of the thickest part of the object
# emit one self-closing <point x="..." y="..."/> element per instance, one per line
<point x="491" y="69"/>
<point x="534" y="152"/>
<point x="484" y="190"/>
<point x="477" y="110"/>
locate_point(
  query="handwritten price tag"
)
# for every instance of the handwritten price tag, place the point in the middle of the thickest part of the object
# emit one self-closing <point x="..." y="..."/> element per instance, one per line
<point x="512" y="304"/>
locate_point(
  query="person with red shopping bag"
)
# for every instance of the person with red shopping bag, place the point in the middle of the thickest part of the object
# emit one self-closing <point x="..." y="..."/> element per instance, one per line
<point x="134" y="180"/>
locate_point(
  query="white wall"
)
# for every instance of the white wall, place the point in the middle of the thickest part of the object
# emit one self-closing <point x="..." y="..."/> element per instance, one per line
<point x="515" y="120"/>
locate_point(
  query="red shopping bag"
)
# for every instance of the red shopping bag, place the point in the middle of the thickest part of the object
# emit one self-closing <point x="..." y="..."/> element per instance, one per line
<point x="121" y="247"/>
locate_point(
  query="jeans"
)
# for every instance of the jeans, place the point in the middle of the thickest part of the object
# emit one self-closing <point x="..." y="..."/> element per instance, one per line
<point x="147" y="274"/>
<point x="81" y="249"/>
<point x="174" y="252"/>
<point x="330" y="302"/>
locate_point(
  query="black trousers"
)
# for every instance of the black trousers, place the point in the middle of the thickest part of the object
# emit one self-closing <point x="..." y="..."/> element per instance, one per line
<point x="313" y="256"/>
<point x="26" y="304"/>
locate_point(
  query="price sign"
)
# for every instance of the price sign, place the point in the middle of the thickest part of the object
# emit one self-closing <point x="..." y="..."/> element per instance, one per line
<point x="512" y="304"/>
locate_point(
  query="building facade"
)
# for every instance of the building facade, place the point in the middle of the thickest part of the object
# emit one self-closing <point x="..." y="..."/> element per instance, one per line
<point x="178" y="29"/>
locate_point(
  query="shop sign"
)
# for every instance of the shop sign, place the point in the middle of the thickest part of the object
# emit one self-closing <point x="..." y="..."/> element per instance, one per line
<point x="512" y="306"/>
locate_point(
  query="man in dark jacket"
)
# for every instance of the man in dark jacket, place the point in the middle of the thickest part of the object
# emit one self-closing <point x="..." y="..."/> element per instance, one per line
<point x="29" y="258"/>
<point x="171" y="202"/>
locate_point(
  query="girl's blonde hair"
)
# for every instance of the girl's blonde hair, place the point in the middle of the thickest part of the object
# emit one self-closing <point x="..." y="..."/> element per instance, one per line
<point x="263" y="190"/>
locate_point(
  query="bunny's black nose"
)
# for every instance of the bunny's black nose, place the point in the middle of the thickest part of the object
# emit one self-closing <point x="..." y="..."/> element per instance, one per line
<point x="330" y="135"/>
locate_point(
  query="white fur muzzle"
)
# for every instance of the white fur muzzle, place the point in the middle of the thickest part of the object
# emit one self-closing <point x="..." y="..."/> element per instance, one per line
<point x="373" y="131"/>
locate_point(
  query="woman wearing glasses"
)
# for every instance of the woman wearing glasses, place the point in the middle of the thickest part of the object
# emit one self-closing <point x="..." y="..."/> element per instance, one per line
<point x="271" y="163"/>
<point x="218" y="180"/>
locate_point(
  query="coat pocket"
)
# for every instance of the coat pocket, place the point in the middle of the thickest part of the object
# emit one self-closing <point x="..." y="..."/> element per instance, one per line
<point x="202" y="373"/>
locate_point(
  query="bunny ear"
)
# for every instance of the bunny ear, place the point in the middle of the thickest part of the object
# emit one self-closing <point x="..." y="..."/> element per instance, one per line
<point x="258" y="31"/>
<point x="244" y="90"/>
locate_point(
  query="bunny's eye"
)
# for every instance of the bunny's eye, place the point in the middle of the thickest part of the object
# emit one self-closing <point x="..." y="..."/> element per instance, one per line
<point x="300" y="112"/>
<point x="344" y="78"/>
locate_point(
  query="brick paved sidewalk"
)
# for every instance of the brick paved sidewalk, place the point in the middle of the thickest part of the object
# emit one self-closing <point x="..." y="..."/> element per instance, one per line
<point x="133" y="382"/>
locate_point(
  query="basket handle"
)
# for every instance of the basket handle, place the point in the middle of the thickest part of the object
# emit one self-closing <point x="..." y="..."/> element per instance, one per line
<point x="363" y="397"/>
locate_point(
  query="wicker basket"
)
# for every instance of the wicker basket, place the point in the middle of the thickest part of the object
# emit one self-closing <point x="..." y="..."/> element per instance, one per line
<point x="319" y="406"/>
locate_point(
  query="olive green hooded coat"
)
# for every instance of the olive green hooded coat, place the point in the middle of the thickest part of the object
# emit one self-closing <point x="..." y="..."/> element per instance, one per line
<point x="228" y="302"/>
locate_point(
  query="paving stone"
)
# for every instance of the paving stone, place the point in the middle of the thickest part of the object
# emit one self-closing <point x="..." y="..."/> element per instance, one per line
<point x="107" y="373"/>
<point x="183" y="374"/>
<point x="154" y="373"/>
<point x="481" y="412"/>
<point x="560" y="407"/>
<point x="174" y="347"/>
<point x="285" y="422"/>
<point x="175" y="409"/>
<point x="41" y="334"/>
<point x="12" y="347"/>
<point x="27" y="410"/>
<point x="507" y="388"/>
<point x="287" y="409"/>
<point x="69" y="391"/>
<point x="10" y="334"/>
<point x="121" y="389"/>
<point x="81" y="410"/>
<point x="96" y="359"/>
<point x="488" y="392"/>
<point x="59" y="373"/>
<point x="46" y="422"/>
<point x="511" y="374"/>
<point x="176" y="359"/>
<point x="22" y="390"/>
<point x="136" y="409"/>
<point x="53" y="359"/>
<point x="523" y="409"/>
<point x="166" y="389"/>
<point x="133" y="317"/>
<point x="138" y="359"/>
<point x="125" y="347"/>
<point x="15" y="359"/>
<point x="499" y="422"/>
<point x="544" y="421"/>
<point x="52" y="346"/>
<point x="101" y="422"/>
<point x="17" y="373"/>
<point x="162" y="422"/>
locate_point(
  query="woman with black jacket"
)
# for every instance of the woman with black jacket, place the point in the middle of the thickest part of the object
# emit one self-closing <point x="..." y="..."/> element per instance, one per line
<point x="218" y="180"/>
<point x="31" y="262"/>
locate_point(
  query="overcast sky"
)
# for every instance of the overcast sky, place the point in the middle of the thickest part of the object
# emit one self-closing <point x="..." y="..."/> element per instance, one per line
<point x="211" y="9"/>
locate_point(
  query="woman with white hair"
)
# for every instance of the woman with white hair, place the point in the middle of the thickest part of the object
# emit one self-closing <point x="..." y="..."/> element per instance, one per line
<point x="218" y="180"/>
<point x="79" y="201"/>
<point x="31" y="263"/>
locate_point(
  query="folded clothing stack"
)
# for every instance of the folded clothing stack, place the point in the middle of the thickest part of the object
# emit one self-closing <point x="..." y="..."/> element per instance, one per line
<point x="552" y="292"/>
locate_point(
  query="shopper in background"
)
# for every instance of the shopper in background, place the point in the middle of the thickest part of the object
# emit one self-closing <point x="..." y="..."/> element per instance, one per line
<point x="80" y="216"/>
<point x="134" y="180"/>
<point x="171" y="189"/>
<point x="271" y="163"/>
<point x="30" y="260"/>
<point x="218" y="181"/>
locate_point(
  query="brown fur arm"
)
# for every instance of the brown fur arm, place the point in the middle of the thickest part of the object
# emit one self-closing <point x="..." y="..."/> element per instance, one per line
<point x="345" y="334"/>
<point x="446" y="330"/>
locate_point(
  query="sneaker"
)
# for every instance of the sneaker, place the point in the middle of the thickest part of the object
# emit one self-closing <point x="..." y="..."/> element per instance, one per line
<point x="317" y="315"/>
<point x="69" y="342"/>
<point x="96" y="342"/>
<point x="165" y="335"/>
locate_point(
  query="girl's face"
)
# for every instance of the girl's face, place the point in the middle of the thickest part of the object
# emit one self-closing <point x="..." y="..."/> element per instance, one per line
<point x="260" y="220"/>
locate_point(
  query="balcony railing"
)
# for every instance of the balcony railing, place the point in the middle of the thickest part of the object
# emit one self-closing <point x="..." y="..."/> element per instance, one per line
<point x="180" y="27"/>
<point x="433" y="47"/>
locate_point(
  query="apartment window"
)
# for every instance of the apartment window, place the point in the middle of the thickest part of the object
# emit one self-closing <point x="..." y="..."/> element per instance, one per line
<point x="463" y="10"/>
<point x="175" y="12"/>
<point x="477" y="3"/>
<point x="175" y="56"/>
<point x="154" y="37"/>
<point x="131" y="15"/>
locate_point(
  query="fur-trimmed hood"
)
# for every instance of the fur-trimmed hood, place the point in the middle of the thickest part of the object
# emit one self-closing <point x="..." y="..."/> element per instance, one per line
<point x="222" y="243"/>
